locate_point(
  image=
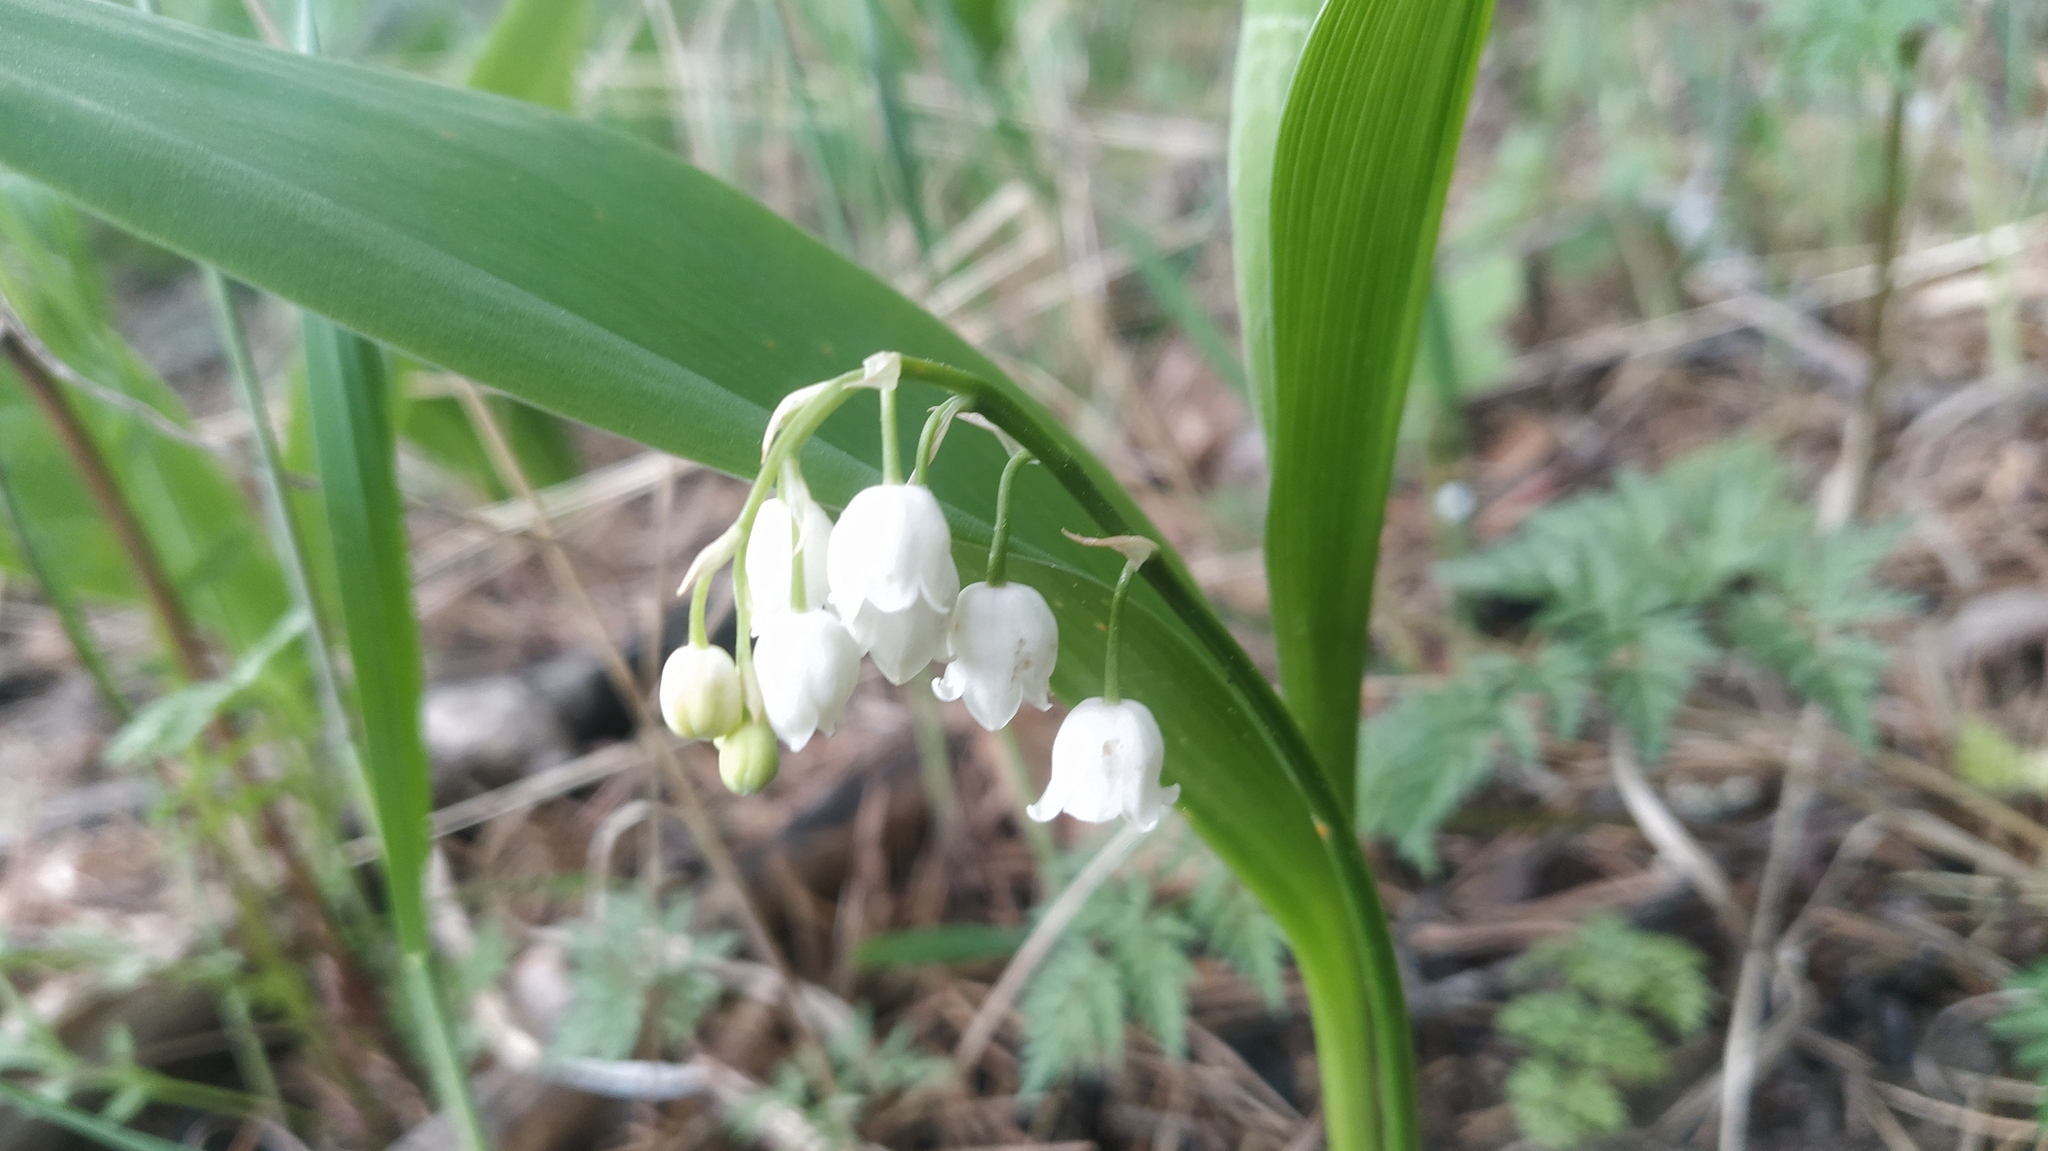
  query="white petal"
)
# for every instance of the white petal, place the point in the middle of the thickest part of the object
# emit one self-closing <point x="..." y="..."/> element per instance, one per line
<point x="807" y="666"/>
<point x="771" y="552"/>
<point x="901" y="643"/>
<point x="951" y="685"/>
<point x="892" y="547"/>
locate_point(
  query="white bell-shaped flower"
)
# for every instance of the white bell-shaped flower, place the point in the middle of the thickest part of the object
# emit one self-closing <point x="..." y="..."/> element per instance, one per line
<point x="700" y="692"/>
<point x="778" y="537"/>
<point x="890" y="569"/>
<point x="1003" y="642"/>
<point x="1105" y="763"/>
<point x="807" y="666"/>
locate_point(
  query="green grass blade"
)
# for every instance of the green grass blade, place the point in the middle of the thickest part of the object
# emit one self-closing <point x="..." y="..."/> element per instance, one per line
<point x="28" y="550"/>
<point x="1360" y="173"/>
<point x="82" y="1124"/>
<point x="944" y="943"/>
<point x="348" y="382"/>
<point x="212" y="549"/>
<point x="349" y="385"/>
<point x="1269" y="44"/>
<point x="532" y="52"/>
<point x="1179" y="302"/>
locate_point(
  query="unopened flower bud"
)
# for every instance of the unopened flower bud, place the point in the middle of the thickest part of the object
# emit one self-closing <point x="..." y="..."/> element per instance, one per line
<point x="700" y="692"/>
<point x="748" y="758"/>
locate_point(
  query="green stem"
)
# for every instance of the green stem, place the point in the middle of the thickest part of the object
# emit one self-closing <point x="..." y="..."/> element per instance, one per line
<point x="892" y="456"/>
<point x="786" y="444"/>
<point x="799" y="588"/>
<point x="999" y="542"/>
<point x="1116" y="614"/>
<point x="286" y="539"/>
<point x="699" y="596"/>
<point x="1353" y="1119"/>
<point x="1037" y="834"/>
<point x="451" y="1081"/>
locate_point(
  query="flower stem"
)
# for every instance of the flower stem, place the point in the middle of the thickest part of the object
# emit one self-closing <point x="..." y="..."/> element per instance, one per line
<point x="892" y="455"/>
<point x="787" y="443"/>
<point x="999" y="543"/>
<point x="699" y="596"/>
<point x="1116" y="616"/>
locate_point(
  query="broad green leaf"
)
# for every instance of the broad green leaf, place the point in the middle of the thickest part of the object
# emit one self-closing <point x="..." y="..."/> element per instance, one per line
<point x="592" y="276"/>
<point x="1359" y="176"/>
<point x="212" y="549"/>
<point x="531" y="55"/>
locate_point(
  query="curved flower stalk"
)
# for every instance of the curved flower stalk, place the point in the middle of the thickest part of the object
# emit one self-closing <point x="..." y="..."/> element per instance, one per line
<point x="1003" y="640"/>
<point x="1108" y="754"/>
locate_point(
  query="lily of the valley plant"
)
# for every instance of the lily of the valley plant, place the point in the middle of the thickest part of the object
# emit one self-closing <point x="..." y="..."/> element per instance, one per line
<point x="813" y="598"/>
<point x="405" y="213"/>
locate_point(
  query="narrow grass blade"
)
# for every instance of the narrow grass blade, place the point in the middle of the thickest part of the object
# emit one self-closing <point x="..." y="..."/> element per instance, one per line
<point x="358" y="481"/>
<point x="1179" y="302"/>
<point x="187" y="505"/>
<point x="532" y="52"/>
<point x="28" y="550"/>
<point x="82" y="1124"/>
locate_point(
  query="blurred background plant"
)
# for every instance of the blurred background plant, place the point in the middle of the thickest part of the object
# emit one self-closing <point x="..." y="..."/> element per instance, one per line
<point x="1704" y="265"/>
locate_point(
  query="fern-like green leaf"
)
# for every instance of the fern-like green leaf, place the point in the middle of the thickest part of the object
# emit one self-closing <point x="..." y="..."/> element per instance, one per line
<point x="1074" y="1015"/>
<point x="1559" y="1107"/>
<point x="1233" y="927"/>
<point x="2025" y="1023"/>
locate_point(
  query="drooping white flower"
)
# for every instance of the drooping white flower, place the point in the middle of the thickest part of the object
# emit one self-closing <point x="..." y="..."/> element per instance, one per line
<point x="1105" y="763"/>
<point x="890" y="569"/>
<point x="1002" y="642"/>
<point x="700" y="692"/>
<point x="778" y="537"/>
<point x="807" y="666"/>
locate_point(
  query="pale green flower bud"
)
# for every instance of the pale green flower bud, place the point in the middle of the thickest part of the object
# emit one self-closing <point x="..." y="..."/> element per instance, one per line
<point x="748" y="758"/>
<point x="700" y="692"/>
